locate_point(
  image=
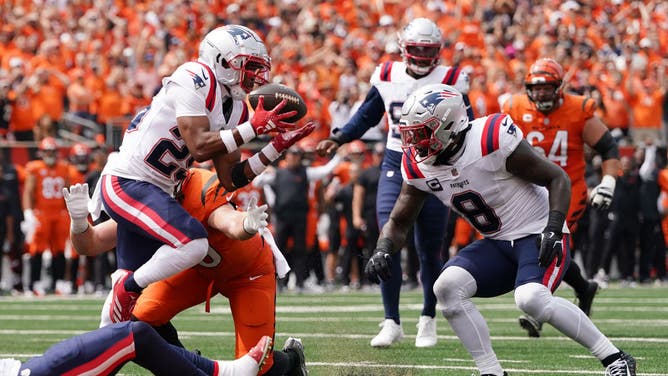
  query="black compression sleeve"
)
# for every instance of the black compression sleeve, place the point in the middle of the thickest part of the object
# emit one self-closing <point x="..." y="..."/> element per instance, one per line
<point x="239" y="178"/>
<point x="607" y="147"/>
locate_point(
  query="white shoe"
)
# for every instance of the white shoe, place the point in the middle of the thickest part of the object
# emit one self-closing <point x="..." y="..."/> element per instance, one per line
<point x="391" y="333"/>
<point x="426" y="334"/>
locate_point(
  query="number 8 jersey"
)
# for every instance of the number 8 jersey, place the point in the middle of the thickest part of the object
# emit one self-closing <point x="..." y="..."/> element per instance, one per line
<point x="478" y="186"/>
<point x="152" y="148"/>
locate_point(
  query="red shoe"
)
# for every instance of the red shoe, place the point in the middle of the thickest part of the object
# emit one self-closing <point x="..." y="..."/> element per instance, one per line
<point x="123" y="301"/>
<point x="260" y="352"/>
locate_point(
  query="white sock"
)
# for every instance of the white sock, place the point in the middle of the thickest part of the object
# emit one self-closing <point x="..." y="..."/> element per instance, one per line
<point x="243" y="366"/>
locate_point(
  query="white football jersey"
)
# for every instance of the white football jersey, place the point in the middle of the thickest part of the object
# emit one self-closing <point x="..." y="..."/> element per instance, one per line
<point x="478" y="186"/>
<point x="394" y="86"/>
<point x="152" y="149"/>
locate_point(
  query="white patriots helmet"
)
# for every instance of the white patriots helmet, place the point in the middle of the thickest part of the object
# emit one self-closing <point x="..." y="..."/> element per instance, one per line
<point x="431" y="118"/>
<point x="420" y="43"/>
<point x="238" y="58"/>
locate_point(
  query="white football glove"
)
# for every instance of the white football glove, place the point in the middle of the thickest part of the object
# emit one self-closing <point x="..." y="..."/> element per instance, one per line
<point x="76" y="199"/>
<point x="601" y="196"/>
<point x="29" y="225"/>
<point x="256" y="217"/>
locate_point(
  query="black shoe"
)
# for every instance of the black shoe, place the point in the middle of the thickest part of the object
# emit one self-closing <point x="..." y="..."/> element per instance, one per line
<point x="295" y="345"/>
<point x="489" y="374"/>
<point x="587" y="298"/>
<point x="531" y="325"/>
<point x="624" y="366"/>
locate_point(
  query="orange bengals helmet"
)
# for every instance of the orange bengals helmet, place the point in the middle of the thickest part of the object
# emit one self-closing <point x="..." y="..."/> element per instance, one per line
<point x="48" y="143"/>
<point x="544" y="84"/>
<point x="79" y="156"/>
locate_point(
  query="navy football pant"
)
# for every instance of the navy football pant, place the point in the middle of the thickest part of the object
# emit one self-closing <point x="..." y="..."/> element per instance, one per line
<point x="104" y="351"/>
<point x="429" y="232"/>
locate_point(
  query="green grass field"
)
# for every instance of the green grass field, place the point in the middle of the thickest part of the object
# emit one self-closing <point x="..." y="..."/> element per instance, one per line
<point x="336" y="329"/>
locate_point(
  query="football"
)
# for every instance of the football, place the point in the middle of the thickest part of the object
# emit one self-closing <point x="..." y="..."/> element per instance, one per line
<point x="274" y="94"/>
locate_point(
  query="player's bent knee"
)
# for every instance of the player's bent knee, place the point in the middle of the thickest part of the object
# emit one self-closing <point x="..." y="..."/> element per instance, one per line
<point x="535" y="300"/>
<point x="195" y="250"/>
<point x="453" y="287"/>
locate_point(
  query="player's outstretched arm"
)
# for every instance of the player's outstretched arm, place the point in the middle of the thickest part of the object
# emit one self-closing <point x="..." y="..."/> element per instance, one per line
<point x="393" y="234"/>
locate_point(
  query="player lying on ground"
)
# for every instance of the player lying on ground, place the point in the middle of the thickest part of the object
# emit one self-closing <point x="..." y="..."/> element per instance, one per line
<point x="106" y="350"/>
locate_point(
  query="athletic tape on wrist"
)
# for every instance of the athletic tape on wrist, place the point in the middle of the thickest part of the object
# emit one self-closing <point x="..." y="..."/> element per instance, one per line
<point x="79" y="226"/>
<point x="270" y="152"/>
<point x="256" y="164"/>
<point x="246" y="131"/>
<point x="228" y="139"/>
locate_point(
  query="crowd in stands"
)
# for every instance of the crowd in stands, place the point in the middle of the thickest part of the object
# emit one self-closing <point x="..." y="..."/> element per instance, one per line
<point x="101" y="61"/>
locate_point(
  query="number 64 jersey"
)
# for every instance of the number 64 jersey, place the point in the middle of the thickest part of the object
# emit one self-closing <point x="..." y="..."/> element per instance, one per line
<point x="477" y="185"/>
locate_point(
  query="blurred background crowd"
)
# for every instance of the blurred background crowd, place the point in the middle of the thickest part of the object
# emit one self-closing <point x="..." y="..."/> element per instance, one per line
<point x="78" y="71"/>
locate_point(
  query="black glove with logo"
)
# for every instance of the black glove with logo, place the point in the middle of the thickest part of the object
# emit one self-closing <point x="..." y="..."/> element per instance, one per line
<point x="379" y="265"/>
<point x="551" y="242"/>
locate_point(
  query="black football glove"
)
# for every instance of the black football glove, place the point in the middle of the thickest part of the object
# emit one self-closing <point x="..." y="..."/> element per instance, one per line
<point x="550" y="242"/>
<point x="550" y="245"/>
<point x="378" y="267"/>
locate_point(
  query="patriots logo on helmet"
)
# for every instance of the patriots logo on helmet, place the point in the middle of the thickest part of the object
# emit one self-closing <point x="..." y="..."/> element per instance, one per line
<point x="197" y="80"/>
<point x="431" y="100"/>
<point x="237" y="32"/>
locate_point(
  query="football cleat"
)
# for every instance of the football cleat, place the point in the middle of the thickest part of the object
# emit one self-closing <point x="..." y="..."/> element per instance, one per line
<point x="586" y="299"/>
<point x="390" y="333"/>
<point x="531" y="325"/>
<point x="260" y="351"/>
<point x="624" y="366"/>
<point x="426" y="334"/>
<point x="295" y="345"/>
<point x="123" y="301"/>
<point x="489" y="374"/>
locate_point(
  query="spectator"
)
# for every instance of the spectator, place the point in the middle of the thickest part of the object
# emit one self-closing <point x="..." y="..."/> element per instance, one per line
<point x="624" y="225"/>
<point x="290" y="185"/>
<point x="652" y="243"/>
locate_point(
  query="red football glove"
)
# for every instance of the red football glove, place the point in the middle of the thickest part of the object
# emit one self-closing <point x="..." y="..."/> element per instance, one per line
<point x="283" y="141"/>
<point x="264" y="121"/>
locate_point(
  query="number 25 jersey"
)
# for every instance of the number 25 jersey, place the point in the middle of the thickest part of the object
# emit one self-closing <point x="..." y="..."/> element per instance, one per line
<point x="479" y="188"/>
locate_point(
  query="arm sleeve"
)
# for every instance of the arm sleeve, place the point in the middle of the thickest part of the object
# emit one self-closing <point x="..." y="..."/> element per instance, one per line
<point x="368" y="115"/>
<point x="320" y="172"/>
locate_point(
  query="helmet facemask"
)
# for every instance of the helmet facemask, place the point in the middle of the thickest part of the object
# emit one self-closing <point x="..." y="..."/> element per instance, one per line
<point x="239" y="58"/>
<point x="420" y="43"/>
<point x="431" y="119"/>
<point x="544" y="84"/>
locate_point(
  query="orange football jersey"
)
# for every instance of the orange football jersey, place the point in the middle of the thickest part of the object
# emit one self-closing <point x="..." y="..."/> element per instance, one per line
<point x="559" y="136"/>
<point x="49" y="184"/>
<point x="201" y="195"/>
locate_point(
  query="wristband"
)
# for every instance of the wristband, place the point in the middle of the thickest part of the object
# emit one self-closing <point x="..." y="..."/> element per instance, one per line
<point x="246" y="131"/>
<point x="256" y="164"/>
<point x="270" y="152"/>
<point x="228" y="139"/>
